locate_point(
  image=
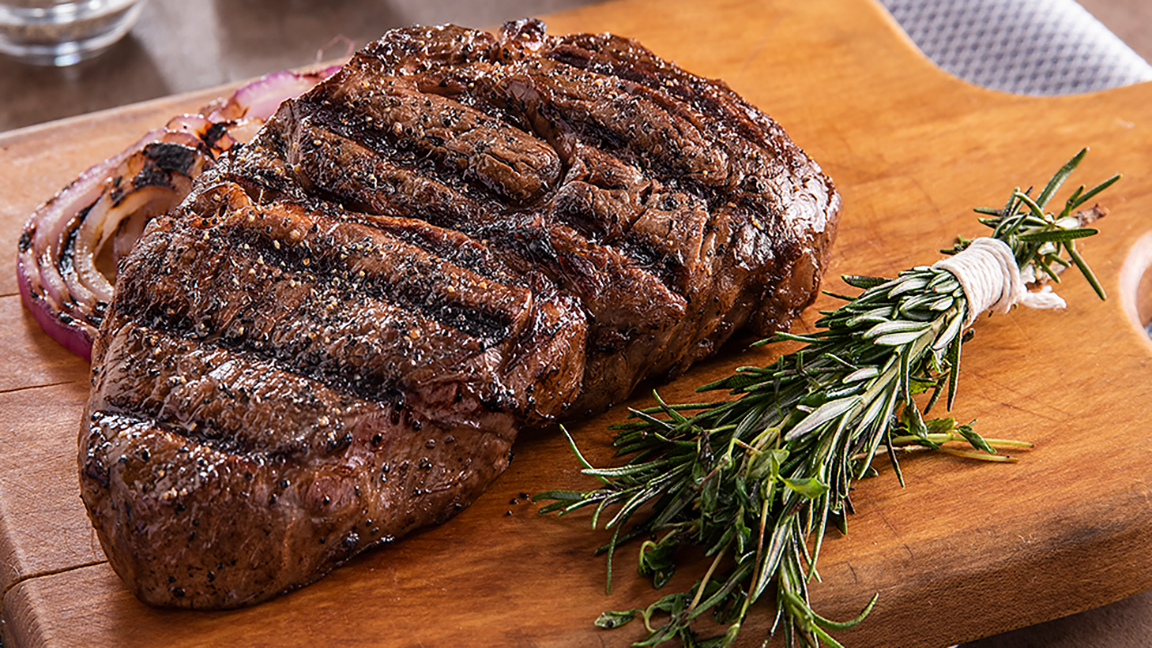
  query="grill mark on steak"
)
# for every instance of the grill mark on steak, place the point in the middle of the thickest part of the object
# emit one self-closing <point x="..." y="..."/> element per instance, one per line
<point x="615" y="115"/>
<point x="297" y="515"/>
<point x="533" y="96"/>
<point x="433" y="287"/>
<point x="305" y="296"/>
<point x="337" y="336"/>
<point x="312" y="161"/>
<point x="347" y="260"/>
<point x="612" y="56"/>
<point x="521" y="95"/>
<point x="357" y="177"/>
<point x="744" y="131"/>
<point x="238" y="403"/>
<point x="311" y="157"/>
<point x="395" y="117"/>
<point x="241" y="403"/>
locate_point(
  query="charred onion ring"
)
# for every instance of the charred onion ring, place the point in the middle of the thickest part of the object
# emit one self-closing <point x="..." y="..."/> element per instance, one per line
<point x="66" y="238"/>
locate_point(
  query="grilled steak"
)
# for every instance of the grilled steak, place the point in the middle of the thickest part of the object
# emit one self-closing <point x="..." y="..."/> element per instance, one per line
<point x="337" y="336"/>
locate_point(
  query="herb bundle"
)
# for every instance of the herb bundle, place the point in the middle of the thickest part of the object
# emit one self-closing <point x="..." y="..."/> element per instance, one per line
<point x="756" y="480"/>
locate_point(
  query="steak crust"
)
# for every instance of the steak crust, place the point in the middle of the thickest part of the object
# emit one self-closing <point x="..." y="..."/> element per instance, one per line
<point x="337" y="336"/>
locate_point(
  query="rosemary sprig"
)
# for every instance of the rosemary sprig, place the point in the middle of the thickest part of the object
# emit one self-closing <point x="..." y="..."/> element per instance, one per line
<point x="756" y="480"/>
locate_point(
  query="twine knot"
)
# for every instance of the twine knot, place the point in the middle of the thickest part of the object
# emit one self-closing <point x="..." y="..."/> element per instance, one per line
<point x="987" y="272"/>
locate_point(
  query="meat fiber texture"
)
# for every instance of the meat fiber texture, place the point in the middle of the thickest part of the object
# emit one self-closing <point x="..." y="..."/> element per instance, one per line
<point x="335" y="339"/>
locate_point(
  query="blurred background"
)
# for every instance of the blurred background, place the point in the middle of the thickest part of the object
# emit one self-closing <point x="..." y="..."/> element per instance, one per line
<point x="1131" y="20"/>
<point x="179" y="46"/>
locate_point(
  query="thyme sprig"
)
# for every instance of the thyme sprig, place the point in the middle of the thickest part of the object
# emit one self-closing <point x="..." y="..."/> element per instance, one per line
<point x="756" y="480"/>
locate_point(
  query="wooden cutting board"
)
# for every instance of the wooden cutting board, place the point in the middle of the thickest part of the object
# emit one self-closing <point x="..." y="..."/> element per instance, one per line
<point x="966" y="550"/>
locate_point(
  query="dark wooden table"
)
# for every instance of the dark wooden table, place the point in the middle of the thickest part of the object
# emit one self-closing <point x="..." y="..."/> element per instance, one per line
<point x="179" y="47"/>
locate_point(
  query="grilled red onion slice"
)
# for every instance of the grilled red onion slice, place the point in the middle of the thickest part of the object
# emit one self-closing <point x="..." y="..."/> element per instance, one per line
<point x="65" y="266"/>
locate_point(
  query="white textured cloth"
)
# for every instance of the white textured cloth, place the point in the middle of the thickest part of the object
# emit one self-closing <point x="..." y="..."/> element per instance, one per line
<point x="1034" y="47"/>
<point x="987" y="272"/>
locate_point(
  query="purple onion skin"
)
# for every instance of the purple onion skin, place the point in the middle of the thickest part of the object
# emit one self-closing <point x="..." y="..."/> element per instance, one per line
<point x="74" y="338"/>
<point x="258" y="99"/>
<point x="263" y="96"/>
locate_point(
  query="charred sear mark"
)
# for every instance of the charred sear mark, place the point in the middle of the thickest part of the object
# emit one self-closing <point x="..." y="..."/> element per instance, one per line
<point x="25" y="241"/>
<point x="161" y="160"/>
<point x="214" y="133"/>
<point x="655" y="259"/>
<point x="213" y="393"/>
<point x="458" y="249"/>
<point x="167" y="156"/>
<point x="451" y="143"/>
<point x="413" y="283"/>
<point x="301" y="296"/>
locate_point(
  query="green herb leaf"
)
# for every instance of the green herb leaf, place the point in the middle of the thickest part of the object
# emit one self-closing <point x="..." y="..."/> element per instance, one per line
<point x="1057" y="236"/>
<point x="974" y="439"/>
<point x="827" y="412"/>
<point x="656" y="561"/>
<point x="807" y="487"/>
<point x="610" y="620"/>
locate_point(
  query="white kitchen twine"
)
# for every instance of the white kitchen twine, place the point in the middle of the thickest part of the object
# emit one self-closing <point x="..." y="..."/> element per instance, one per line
<point x="987" y="272"/>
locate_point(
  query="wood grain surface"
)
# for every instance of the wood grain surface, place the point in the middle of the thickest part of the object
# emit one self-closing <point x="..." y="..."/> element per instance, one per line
<point x="966" y="550"/>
